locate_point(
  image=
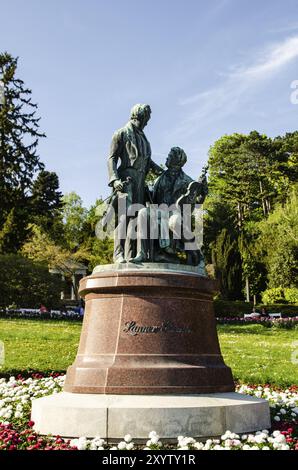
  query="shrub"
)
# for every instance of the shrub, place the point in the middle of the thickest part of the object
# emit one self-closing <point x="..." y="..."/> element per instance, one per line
<point x="291" y="295"/>
<point x="25" y="283"/>
<point x="232" y="309"/>
<point x="273" y="296"/>
<point x="236" y="309"/>
<point x="280" y="295"/>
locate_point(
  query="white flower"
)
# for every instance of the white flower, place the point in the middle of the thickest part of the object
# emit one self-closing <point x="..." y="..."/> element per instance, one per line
<point x="155" y="439"/>
<point x="93" y="446"/>
<point x="260" y="438"/>
<point x="280" y="439"/>
<point x="198" y="445"/>
<point x="129" y="446"/>
<point x="276" y="418"/>
<point x="122" y="445"/>
<point x="127" y="438"/>
<point x="74" y="442"/>
<point x="82" y="443"/>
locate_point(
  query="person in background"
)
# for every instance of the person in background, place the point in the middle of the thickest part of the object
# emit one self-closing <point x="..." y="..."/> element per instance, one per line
<point x="43" y="309"/>
<point x="264" y="312"/>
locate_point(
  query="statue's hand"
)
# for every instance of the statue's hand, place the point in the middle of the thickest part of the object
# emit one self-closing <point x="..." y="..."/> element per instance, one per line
<point x="118" y="185"/>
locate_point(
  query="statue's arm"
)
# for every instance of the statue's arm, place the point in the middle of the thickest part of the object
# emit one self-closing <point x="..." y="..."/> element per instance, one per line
<point x="115" y="152"/>
<point x="155" y="168"/>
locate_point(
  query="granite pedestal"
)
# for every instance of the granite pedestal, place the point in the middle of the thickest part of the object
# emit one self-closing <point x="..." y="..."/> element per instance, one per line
<point x="148" y="359"/>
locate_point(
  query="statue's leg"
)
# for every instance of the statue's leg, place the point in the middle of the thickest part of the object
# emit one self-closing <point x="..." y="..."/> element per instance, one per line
<point x="130" y="242"/>
<point x="119" y="240"/>
<point x="142" y="237"/>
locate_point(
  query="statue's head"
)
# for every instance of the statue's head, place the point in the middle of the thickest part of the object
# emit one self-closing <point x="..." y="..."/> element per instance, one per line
<point x="176" y="158"/>
<point x="140" y="115"/>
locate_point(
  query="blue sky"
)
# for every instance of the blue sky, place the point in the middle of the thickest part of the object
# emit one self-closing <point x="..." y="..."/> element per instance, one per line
<point x="206" y="68"/>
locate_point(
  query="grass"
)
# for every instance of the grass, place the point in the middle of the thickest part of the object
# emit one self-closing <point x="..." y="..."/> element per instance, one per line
<point x="256" y="354"/>
<point x="45" y="345"/>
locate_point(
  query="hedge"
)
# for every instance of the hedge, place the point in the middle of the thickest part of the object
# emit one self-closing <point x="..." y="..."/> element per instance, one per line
<point x="234" y="309"/>
<point x="25" y="283"/>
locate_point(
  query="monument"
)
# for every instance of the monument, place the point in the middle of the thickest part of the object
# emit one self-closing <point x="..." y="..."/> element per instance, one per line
<point x="149" y="356"/>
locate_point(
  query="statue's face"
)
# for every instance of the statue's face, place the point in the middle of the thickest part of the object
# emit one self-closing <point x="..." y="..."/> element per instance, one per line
<point x="173" y="161"/>
<point x="144" y="117"/>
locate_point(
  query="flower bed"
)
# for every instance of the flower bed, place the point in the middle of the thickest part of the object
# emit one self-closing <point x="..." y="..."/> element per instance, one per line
<point x="287" y="322"/>
<point x="16" y="432"/>
<point x="38" y="315"/>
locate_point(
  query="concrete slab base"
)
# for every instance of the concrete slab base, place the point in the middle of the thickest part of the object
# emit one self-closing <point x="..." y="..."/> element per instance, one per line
<point x="113" y="416"/>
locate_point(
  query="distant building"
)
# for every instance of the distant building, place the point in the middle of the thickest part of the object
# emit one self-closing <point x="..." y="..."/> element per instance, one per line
<point x="71" y="276"/>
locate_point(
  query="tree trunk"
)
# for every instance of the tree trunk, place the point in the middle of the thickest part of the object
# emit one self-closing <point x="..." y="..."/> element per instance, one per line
<point x="262" y="198"/>
<point x="247" y="289"/>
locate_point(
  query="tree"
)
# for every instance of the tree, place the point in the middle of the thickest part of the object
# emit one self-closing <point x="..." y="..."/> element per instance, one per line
<point x="227" y="262"/>
<point x="47" y="204"/>
<point x="74" y="218"/>
<point x="249" y="175"/>
<point x="278" y="243"/>
<point x="19" y="136"/>
<point x="27" y="284"/>
<point x="41" y="248"/>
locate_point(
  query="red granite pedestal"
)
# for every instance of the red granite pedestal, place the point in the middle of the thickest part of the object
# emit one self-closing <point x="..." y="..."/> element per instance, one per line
<point x="148" y="333"/>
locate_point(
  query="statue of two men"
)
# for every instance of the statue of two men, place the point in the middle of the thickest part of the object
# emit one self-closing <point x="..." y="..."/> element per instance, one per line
<point x="159" y="211"/>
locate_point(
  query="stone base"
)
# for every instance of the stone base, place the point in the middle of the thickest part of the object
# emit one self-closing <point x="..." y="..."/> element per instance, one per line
<point x="113" y="416"/>
<point x="148" y="331"/>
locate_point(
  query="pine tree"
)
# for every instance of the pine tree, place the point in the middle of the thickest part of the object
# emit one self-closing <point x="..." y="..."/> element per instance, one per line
<point x="47" y="204"/>
<point x="19" y="136"/>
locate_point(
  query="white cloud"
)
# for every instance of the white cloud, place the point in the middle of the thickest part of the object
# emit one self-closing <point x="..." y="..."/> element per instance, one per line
<point x="278" y="56"/>
<point x="230" y="94"/>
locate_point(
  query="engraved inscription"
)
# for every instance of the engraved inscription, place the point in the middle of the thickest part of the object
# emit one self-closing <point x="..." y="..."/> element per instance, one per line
<point x="132" y="328"/>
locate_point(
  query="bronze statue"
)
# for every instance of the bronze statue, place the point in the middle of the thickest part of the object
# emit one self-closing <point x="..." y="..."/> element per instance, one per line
<point x="132" y="150"/>
<point x="172" y="191"/>
<point x="151" y="225"/>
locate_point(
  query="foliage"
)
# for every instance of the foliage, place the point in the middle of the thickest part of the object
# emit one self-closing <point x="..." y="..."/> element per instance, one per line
<point x="74" y="217"/>
<point x="42" y="249"/>
<point x="252" y="197"/>
<point x="46" y="201"/>
<point x="280" y="295"/>
<point x="236" y="309"/>
<point x="26" y="283"/>
<point x="28" y="192"/>
<point x="278" y="243"/>
<point x="291" y="295"/>
<point x="227" y="261"/>
<point x="19" y="136"/>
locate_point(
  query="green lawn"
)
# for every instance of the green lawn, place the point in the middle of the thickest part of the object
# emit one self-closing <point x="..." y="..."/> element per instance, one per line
<point x="256" y="354"/>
